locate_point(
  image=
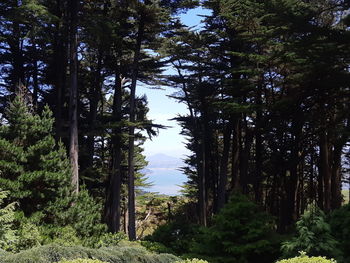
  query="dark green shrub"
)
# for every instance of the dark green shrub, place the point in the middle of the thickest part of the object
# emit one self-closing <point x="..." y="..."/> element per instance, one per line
<point x="241" y="232"/>
<point x="54" y="253"/>
<point x="176" y="236"/>
<point x="340" y="226"/>
<point x="313" y="236"/>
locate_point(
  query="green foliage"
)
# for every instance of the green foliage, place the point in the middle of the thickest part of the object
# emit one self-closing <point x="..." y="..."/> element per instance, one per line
<point x="156" y="247"/>
<point x="313" y="236"/>
<point x="241" y="232"/>
<point x="54" y="253"/>
<point x="81" y="260"/>
<point x="28" y="236"/>
<point x="110" y="239"/>
<point x="303" y="258"/>
<point x="33" y="168"/>
<point x="83" y="214"/>
<point x="176" y="236"/>
<point x="8" y="237"/>
<point x="64" y="236"/>
<point x="192" y="260"/>
<point x="340" y="226"/>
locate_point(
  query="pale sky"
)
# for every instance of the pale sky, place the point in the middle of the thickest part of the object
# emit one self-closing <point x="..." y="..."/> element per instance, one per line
<point x="162" y="108"/>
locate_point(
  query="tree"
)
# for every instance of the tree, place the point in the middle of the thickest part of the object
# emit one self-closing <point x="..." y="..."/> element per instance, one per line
<point x="34" y="169"/>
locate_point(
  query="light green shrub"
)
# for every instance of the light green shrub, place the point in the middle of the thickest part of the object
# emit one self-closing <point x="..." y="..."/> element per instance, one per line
<point x="82" y="260"/>
<point x="192" y="260"/>
<point x="303" y="258"/>
<point x="8" y="237"/>
<point x="314" y="236"/>
<point x="109" y="239"/>
<point x="55" y="253"/>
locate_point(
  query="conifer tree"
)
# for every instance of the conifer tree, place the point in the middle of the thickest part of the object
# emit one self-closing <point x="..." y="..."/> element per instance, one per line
<point x="34" y="169"/>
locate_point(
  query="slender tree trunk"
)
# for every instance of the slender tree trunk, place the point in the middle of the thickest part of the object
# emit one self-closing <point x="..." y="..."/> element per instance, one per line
<point x="73" y="104"/>
<point x="131" y="162"/>
<point x="293" y="182"/>
<point x="114" y="191"/>
<point x="336" y="198"/>
<point x="223" y="167"/>
<point x="202" y="185"/>
<point x="325" y="169"/>
<point x="59" y="67"/>
<point x="235" y="177"/>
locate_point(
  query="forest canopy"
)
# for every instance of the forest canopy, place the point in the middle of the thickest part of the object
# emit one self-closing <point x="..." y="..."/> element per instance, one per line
<point x="266" y="87"/>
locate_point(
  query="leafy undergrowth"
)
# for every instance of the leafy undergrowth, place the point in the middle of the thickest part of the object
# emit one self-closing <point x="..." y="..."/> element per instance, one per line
<point x="55" y="253"/>
<point x="303" y="258"/>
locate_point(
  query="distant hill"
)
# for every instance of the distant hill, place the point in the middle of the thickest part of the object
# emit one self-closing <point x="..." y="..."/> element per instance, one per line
<point x="164" y="161"/>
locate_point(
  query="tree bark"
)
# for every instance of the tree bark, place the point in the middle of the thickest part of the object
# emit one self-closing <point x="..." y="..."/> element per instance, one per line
<point x="131" y="162"/>
<point x="224" y="167"/>
<point x="73" y="104"/>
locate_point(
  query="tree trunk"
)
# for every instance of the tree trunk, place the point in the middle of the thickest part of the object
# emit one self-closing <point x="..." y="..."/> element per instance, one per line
<point x="325" y="169"/>
<point x="223" y="167"/>
<point x="235" y="178"/>
<point x="131" y="163"/>
<point x="114" y="191"/>
<point x="73" y="104"/>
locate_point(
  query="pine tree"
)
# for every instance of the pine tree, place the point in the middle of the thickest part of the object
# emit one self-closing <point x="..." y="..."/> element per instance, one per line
<point x="34" y="169"/>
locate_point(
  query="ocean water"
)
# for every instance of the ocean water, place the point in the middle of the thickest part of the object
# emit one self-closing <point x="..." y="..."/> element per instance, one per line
<point x="165" y="180"/>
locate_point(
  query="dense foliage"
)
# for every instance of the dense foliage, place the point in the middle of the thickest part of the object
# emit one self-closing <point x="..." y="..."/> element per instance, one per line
<point x="266" y="85"/>
<point x="81" y="260"/>
<point x="340" y="228"/>
<point x="313" y="236"/>
<point x="303" y="258"/>
<point x="54" y="253"/>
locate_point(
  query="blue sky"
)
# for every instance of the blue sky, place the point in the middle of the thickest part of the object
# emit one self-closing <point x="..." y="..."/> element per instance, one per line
<point x="162" y="108"/>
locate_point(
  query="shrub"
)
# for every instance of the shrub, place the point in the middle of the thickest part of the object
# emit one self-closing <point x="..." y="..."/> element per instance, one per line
<point x="81" y="260"/>
<point x="303" y="258"/>
<point x="192" y="260"/>
<point x="28" y="236"/>
<point x="156" y="247"/>
<point x="340" y="226"/>
<point x="176" y="236"/>
<point x="241" y="232"/>
<point x="110" y="239"/>
<point x="55" y="253"/>
<point x="8" y="237"/>
<point x="313" y="236"/>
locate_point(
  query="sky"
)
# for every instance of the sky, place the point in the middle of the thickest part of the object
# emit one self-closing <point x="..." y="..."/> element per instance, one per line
<point x="162" y="108"/>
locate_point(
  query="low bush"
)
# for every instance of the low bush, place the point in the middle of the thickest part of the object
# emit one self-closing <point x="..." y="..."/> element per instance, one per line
<point x="55" y="253"/>
<point x="81" y="260"/>
<point x="192" y="260"/>
<point x="303" y="258"/>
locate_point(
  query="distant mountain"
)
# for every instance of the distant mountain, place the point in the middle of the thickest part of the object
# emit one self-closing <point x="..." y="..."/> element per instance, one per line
<point x="164" y="161"/>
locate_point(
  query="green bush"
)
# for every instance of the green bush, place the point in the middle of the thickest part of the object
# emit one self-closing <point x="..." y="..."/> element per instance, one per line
<point x="8" y="237"/>
<point x="313" y="236"/>
<point x="156" y="247"/>
<point x="81" y="260"/>
<point x="55" y="253"/>
<point x="241" y="232"/>
<point x="340" y="226"/>
<point x="303" y="258"/>
<point x="109" y="239"/>
<point x="174" y="237"/>
<point x="192" y="260"/>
